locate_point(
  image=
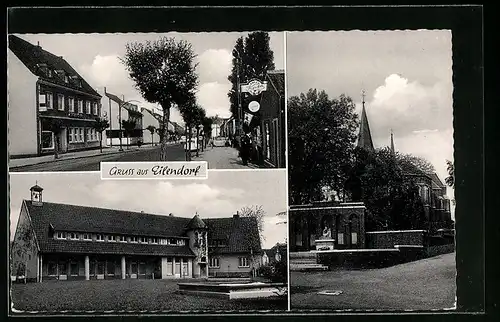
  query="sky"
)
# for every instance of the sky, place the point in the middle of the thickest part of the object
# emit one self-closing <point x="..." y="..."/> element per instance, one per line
<point x="406" y="76"/>
<point x="96" y="58"/>
<point x="221" y="195"/>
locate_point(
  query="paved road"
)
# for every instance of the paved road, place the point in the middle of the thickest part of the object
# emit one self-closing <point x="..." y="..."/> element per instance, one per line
<point x="421" y="285"/>
<point x="175" y="153"/>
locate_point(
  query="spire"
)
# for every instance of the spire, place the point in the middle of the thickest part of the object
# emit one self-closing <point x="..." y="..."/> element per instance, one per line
<point x="392" y="143"/>
<point x="364" y="137"/>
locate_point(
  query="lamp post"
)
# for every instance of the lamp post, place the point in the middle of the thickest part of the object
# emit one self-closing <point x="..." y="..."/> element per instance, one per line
<point x="238" y="93"/>
<point x="123" y="103"/>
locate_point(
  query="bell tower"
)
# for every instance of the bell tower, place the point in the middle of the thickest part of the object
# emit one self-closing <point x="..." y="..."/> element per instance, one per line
<point x="36" y="195"/>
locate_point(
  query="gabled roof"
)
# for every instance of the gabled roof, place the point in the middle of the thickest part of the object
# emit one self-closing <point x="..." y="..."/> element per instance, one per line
<point x="33" y="57"/>
<point x="436" y="182"/>
<point x="277" y="79"/>
<point x="241" y="234"/>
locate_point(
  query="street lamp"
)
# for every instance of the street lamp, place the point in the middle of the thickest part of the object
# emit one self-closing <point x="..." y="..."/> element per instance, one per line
<point x="120" y="118"/>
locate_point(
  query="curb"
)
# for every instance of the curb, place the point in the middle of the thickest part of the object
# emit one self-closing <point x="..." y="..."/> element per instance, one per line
<point x="71" y="158"/>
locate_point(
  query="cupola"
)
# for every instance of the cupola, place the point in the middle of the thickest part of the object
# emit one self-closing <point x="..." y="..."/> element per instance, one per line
<point x="36" y="195"/>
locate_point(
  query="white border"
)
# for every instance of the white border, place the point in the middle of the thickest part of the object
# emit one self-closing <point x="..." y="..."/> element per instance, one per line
<point x="286" y="171"/>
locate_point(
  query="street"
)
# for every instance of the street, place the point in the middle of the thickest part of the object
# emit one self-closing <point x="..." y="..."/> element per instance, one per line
<point x="92" y="163"/>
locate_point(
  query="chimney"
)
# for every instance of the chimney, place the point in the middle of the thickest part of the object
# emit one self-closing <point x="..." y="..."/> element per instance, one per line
<point x="236" y="215"/>
<point x="104" y="89"/>
<point x="170" y="214"/>
<point x="38" y="43"/>
<point x="142" y="211"/>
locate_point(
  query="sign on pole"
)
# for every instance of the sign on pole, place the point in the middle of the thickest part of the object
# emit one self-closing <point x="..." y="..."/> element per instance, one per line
<point x="254" y="87"/>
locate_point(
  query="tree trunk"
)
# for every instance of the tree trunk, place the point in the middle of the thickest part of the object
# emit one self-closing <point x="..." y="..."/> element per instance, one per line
<point x="56" y="146"/>
<point x="128" y="142"/>
<point x="197" y="142"/>
<point x="152" y="140"/>
<point x="164" y="129"/>
<point x="190" y="134"/>
<point x="100" y="141"/>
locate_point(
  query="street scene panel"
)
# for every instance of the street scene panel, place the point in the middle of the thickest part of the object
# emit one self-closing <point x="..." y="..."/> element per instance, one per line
<point x="78" y="99"/>
<point x="167" y="246"/>
<point x="371" y="175"/>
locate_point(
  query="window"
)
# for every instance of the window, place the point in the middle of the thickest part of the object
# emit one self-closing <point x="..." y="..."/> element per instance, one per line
<point x="52" y="268"/>
<point x="71" y="135"/>
<point x="354" y="238"/>
<point x="181" y="242"/>
<point x="71" y="103"/>
<point x="49" y="101"/>
<point x="61" y="235"/>
<point x="112" y="238"/>
<point x="340" y="238"/>
<point x="66" y="79"/>
<point x="80" y="135"/>
<point x="214" y="262"/>
<point x="80" y="106"/>
<point x="87" y="107"/>
<point x="95" y="108"/>
<point x="142" y="268"/>
<point x="89" y="135"/>
<point x="73" y="269"/>
<point x="172" y="241"/>
<point x="99" y="237"/>
<point x="143" y="240"/>
<point x="74" y="236"/>
<point x="47" y="140"/>
<point x="243" y="262"/>
<point x="133" y="239"/>
<point x="122" y="239"/>
<point x="87" y="237"/>
<point x="111" y="268"/>
<point x="163" y="241"/>
<point x="154" y="240"/>
<point x="60" y="102"/>
<point x="43" y="101"/>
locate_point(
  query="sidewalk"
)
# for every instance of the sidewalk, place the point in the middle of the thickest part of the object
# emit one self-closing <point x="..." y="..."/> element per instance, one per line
<point x="222" y="158"/>
<point x="13" y="163"/>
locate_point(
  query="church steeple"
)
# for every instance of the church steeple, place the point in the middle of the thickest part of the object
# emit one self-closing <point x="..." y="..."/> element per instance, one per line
<point x="364" y="136"/>
<point x="393" y="151"/>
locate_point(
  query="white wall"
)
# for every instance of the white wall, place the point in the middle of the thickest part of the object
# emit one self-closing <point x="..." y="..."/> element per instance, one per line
<point x="230" y="263"/>
<point x="22" y="109"/>
<point x="147" y="120"/>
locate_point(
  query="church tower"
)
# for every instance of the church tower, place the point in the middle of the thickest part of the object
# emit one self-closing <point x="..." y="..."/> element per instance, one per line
<point x="364" y="136"/>
<point x="36" y="195"/>
<point x="197" y="231"/>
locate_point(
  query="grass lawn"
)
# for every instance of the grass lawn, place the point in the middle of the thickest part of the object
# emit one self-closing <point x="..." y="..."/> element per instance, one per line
<point x="421" y="285"/>
<point x="124" y="296"/>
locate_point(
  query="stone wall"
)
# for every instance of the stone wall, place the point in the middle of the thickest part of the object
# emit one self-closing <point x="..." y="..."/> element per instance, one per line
<point x="388" y="239"/>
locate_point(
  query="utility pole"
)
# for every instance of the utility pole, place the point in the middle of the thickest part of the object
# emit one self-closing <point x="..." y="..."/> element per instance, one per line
<point x="120" y="123"/>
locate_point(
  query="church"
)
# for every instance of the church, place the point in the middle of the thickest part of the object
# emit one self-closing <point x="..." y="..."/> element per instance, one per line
<point x="340" y="226"/>
<point x="69" y="242"/>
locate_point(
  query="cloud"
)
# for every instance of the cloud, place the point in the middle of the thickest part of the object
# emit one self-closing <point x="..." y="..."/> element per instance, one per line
<point x="107" y="71"/>
<point x="213" y="98"/>
<point x="214" y="65"/>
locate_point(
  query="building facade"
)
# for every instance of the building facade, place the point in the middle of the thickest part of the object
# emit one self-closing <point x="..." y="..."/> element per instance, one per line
<point x="49" y="104"/>
<point x="117" y="110"/>
<point x="68" y="242"/>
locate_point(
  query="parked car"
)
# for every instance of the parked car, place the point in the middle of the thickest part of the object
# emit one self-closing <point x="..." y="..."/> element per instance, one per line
<point x="194" y="146"/>
<point x="220" y="141"/>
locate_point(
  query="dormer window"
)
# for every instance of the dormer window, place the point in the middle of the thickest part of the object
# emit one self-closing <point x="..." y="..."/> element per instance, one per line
<point x="61" y="235"/>
<point x="143" y="240"/>
<point x="74" y="236"/>
<point x="172" y="241"/>
<point x="122" y="239"/>
<point x="87" y="237"/>
<point x="133" y="239"/>
<point x="99" y="237"/>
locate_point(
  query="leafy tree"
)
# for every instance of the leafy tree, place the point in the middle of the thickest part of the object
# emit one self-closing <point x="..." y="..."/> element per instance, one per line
<point x="207" y="128"/>
<point x="152" y="130"/>
<point x="192" y="115"/>
<point x="252" y="58"/>
<point x="56" y="126"/>
<point x="22" y="247"/>
<point x="128" y="127"/>
<point x="100" y="125"/>
<point x="258" y="213"/>
<point x="164" y="72"/>
<point x="419" y="163"/>
<point x="321" y="136"/>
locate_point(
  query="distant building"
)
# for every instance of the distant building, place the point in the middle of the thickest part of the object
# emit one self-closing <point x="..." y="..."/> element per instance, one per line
<point x="277" y="253"/>
<point x="49" y="103"/>
<point x="117" y="110"/>
<point x="228" y="128"/>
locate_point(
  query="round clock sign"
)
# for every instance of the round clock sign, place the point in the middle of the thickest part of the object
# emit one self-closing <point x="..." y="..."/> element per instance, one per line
<point x="253" y="106"/>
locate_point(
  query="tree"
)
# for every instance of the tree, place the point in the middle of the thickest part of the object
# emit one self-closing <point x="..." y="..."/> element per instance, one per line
<point x="22" y="247"/>
<point x="129" y="127"/>
<point x="321" y="136"/>
<point x="151" y="130"/>
<point x="450" y="179"/>
<point x="100" y="125"/>
<point x="258" y="213"/>
<point x="192" y="114"/>
<point x="252" y="58"/>
<point x="56" y="126"/>
<point x="207" y="128"/>
<point x="164" y="72"/>
<point x="418" y="162"/>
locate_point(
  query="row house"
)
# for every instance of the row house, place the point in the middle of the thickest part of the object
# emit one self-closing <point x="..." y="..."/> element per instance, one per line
<point x="154" y="119"/>
<point x="117" y="110"/>
<point x="49" y="104"/>
<point x="69" y="242"/>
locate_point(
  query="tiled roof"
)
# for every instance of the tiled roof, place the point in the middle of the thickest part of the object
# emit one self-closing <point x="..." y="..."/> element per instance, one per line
<point x="196" y="223"/>
<point x="241" y="234"/>
<point x="277" y="78"/>
<point x="33" y="56"/>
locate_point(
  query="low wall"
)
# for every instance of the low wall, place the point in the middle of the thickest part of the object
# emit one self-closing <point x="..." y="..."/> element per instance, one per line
<point x="439" y="250"/>
<point x="390" y="239"/>
<point x="230" y="274"/>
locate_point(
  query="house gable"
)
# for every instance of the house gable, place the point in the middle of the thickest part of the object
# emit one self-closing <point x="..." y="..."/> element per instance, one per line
<point x="25" y="246"/>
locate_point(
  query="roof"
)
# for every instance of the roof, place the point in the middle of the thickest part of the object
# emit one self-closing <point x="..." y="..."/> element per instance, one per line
<point x="36" y="188"/>
<point x="33" y="56"/>
<point x="436" y="182"/>
<point x="196" y="223"/>
<point x="277" y="79"/>
<point x="241" y="234"/>
<point x="125" y="105"/>
<point x="365" y="136"/>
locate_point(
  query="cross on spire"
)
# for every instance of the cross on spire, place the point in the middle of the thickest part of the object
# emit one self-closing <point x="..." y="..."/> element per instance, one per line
<point x="363" y="96"/>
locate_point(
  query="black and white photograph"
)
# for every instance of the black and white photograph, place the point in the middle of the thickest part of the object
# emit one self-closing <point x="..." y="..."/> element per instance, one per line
<point x="371" y="170"/>
<point x="82" y="244"/>
<point x="75" y="100"/>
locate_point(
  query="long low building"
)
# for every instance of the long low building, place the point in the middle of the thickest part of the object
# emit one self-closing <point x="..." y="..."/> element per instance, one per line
<point x="70" y="242"/>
